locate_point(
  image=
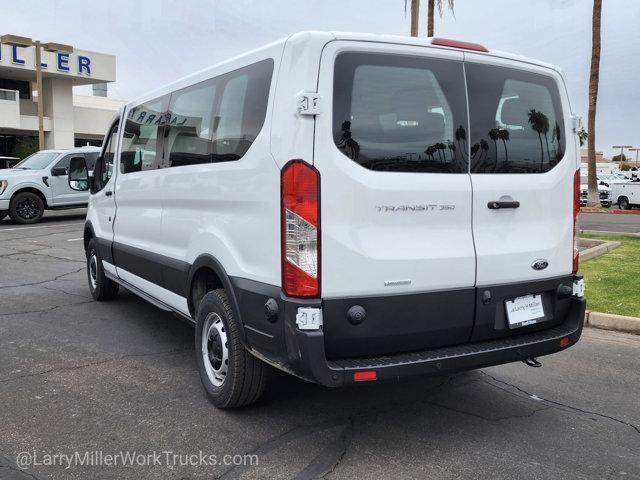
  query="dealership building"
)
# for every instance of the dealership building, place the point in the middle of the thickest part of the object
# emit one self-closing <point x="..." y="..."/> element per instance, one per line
<point x="69" y="119"/>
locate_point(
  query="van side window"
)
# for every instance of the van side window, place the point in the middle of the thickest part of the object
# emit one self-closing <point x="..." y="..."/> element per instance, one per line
<point x="190" y="136"/>
<point x="108" y="155"/>
<point x="217" y="120"/>
<point x="400" y="113"/>
<point x="516" y="120"/>
<point x="143" y="136"/>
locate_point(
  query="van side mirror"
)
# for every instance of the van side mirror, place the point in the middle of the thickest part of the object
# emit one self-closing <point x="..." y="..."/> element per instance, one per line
<point x="58" y="171"/>
<point x="78" y="174"/>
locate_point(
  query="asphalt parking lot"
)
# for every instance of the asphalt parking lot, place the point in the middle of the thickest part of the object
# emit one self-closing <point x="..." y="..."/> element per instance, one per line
<point x="81" y="376"/>
<point x="607" y="222"/>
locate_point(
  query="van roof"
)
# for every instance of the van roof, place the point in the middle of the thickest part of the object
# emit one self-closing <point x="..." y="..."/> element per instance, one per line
<point x="321" y="38"/>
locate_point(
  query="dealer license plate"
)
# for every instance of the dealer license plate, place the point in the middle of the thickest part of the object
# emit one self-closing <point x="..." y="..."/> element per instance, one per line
<point x="523" y="311"/>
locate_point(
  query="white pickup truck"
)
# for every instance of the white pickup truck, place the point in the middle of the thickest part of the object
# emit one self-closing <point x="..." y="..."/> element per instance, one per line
<point x="626" y="195"/>
<point x="40" y="182"/>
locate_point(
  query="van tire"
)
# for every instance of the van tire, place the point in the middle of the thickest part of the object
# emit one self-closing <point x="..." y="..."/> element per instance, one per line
<point x="3" y="213"/>
<point x="26" y="207"/>
<point x="101" y="287"/>
<point x="245" y="377"/>
<point x="623" y="203"/>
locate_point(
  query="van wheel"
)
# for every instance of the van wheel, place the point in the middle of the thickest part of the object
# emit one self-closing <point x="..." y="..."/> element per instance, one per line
<point x="101" y="287"/>
<point x="231" y="376"/>
<point x="623" y="203"/>
<point x="26" y="207"/>
<point x="3" y="213"/>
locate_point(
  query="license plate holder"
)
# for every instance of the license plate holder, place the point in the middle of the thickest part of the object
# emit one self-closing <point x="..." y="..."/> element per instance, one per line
<point x="525" y="310"/>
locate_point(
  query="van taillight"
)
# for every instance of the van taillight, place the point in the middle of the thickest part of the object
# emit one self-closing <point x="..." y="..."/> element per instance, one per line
<point x="300" y="218"/>
<point x="576" y="211"/>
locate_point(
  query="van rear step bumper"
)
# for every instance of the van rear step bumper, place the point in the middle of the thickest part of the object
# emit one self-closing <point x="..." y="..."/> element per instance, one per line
<point x="312" y="365"/>
<point x="304" y="353"/>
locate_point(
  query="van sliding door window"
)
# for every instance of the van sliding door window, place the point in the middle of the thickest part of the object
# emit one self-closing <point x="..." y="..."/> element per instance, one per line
<point x="143" y="136"/>
<point x="516" y="120"/>
<point x="400" y="113"/>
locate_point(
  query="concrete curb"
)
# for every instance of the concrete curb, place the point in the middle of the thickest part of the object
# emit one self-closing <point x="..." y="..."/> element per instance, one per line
<point x="604" y="247"/>
<point x="599" y="232"/>
<point x="610" y="321"/>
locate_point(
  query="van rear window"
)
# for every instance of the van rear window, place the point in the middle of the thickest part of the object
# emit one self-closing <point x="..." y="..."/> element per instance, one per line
<point x="516" y="120"/>
<point x="400" y="113"/>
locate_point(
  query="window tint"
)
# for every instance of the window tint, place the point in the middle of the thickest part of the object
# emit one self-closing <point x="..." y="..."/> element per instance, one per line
<point x="191" y="125"/>
<point x="400" y="113"/>
<point x="516" y="120"/>
<point x="229" y="134"/>
<point x="218" y="120"/>
<point x="143" y="136"/>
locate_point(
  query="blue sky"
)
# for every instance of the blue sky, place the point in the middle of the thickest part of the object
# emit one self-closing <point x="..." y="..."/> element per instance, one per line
<point x="157" y="41"/>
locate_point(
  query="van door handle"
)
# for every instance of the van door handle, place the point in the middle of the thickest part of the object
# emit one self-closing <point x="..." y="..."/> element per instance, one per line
<point x="108" y="193"/>
<point x="498" y="205"/>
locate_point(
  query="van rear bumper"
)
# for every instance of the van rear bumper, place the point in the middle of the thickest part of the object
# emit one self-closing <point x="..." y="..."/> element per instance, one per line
<point x="280" y="343"/>
<point x="439" y="360"/>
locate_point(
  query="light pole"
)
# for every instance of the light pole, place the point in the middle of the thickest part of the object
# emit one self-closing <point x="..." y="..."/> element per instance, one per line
<point x="26" y="42"/>
<point x="635" y="150"/>
<point x="621" y="147"/>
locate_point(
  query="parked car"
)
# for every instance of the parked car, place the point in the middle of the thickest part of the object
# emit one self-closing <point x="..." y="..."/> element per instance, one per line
<point x="604" y="192"/>
<point x="332" y="205"/>
<point x="40" y="182"/>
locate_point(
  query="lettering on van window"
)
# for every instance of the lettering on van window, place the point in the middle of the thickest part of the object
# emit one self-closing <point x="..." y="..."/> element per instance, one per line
<point x="433" y="207"/>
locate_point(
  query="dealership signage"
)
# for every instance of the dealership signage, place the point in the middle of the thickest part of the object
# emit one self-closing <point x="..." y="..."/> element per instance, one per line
<point x="74" y="64"/>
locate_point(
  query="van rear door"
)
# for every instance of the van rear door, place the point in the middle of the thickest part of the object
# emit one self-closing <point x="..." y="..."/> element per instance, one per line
<point x="396" y="237"/>
<point x="523" y="161"/>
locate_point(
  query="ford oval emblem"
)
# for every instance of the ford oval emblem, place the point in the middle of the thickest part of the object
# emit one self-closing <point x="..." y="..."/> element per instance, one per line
<point x="540" y="265"/>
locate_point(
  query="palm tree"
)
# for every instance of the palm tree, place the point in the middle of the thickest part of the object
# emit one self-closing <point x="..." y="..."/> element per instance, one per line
<point x="430" y="13"/>
<point x="493" y="135"/>
<point x="431" y="6"/>
<point x="461" y="136"/>
<point x="415" y="15"/>
<point x="503" y="134"/>
<point x="594" y="78"/>
<point x="452" y="149"/>
<point x="534" y="121"/>
<point x="484" y="147"/>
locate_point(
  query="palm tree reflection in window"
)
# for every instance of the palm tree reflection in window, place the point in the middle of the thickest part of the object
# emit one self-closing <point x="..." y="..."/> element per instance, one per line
<point x="540" y="124"/>
<point x="493" y="135"/>
<point x="555" y="137"/>
<point x="350" y="146"/>
<point x="461" y="137"/>
<point x="503" y="134"/>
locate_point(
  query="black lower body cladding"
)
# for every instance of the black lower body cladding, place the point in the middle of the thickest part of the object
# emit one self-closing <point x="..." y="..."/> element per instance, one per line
<point x="406" y="334"/>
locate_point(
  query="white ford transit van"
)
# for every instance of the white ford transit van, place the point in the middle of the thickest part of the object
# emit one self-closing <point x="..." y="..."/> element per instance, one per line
<point x="347" y="208"/>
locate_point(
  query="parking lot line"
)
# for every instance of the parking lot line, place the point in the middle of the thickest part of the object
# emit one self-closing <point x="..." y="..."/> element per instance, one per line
<point x="41" y="226"/>
<point x="75" y="239"/>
